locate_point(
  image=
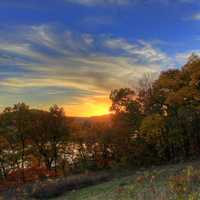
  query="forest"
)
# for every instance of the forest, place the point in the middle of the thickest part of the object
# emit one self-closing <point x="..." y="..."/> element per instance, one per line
<point x="157" y="123"/>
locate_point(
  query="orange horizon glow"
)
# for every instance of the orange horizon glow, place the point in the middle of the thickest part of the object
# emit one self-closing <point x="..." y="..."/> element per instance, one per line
<point x="88" y="108"/>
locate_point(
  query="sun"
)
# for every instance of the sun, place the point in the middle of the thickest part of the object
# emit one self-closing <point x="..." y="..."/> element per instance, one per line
<point x="90" y="107"/>
<point x="96" y="110"/>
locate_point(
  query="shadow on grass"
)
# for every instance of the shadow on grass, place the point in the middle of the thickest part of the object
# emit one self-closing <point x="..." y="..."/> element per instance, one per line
<point x="54" y="188"/>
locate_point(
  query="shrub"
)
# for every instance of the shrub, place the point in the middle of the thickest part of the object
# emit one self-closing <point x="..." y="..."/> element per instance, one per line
<point x="31" y="174"/>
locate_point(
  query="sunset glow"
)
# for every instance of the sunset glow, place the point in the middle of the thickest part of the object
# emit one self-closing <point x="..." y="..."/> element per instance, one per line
<point x="74" y="52"/>
<point x="91" y="107"/>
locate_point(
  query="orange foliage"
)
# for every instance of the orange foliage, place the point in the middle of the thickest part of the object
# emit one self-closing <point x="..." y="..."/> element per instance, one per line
<point x="31" y="174"/>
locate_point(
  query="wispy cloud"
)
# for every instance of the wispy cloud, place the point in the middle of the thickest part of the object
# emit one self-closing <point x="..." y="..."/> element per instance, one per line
<point x="182" y="57"/>
<point x="141" y="51"/>
<point x="98" y="20"/>
<point x="99" y="2"/>
<point x="43" y="66"/>
<point x="128" y="2"/>
<point x="196" y="17"/>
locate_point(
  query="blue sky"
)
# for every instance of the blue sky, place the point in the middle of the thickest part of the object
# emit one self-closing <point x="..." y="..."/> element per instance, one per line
<point x="73" y="52"/>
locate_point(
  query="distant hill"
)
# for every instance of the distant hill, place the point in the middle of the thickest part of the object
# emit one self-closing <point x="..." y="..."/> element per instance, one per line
<point x="93" y="119"/>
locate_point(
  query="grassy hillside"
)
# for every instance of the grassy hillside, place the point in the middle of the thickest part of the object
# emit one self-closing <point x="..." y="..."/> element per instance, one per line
<point x="159" y="183"/>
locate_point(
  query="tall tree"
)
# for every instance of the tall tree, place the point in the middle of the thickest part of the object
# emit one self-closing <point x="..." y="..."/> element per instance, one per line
<point x="16" y="123"/>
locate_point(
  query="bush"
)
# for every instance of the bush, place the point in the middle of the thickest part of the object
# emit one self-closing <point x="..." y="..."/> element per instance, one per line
<point x="31" y="174"/>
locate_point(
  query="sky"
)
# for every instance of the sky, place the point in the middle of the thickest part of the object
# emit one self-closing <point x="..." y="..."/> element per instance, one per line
<point x="74" y="52"/>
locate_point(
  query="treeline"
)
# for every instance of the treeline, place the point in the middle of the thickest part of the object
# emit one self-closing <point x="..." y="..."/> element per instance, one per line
<point x="157" y="123"/>
<point x="162" y="119"/>
<point x="31" y="138"/>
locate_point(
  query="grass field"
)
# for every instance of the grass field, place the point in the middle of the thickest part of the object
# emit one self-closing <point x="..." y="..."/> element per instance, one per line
<point x="179" y="182"/>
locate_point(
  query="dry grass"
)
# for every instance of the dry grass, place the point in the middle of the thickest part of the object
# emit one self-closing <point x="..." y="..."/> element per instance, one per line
<point x="172" y="182"/>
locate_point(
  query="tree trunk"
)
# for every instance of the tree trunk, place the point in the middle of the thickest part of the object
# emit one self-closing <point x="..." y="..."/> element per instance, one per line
<point x="22" y="157"/>
<point x="3" y="170"/>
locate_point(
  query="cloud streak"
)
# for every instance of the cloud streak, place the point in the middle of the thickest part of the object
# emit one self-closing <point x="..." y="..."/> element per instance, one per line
<point x="44" y="66"/>
<point x="99" y="2"/>
<point x="196" y="17"/>
<point x="91" y="3"/>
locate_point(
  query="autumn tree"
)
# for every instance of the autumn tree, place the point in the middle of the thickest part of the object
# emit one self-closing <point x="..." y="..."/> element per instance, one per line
<point x="175" y="97"/>
<point x="126" y="120"/>
<point x="16" y="120"/>
<point x="49" y="134"/>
